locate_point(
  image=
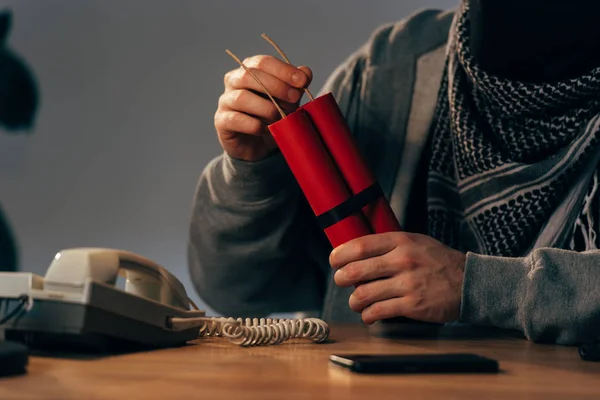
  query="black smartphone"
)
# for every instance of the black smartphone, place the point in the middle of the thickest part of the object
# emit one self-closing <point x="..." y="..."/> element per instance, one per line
<point x="415" y="363"/>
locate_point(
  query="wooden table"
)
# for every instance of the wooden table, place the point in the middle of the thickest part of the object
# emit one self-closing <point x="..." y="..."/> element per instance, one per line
<point x="215" y="369"/>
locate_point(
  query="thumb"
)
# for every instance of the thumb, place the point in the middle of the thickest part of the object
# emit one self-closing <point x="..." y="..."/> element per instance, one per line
<point x="308" y="73"/>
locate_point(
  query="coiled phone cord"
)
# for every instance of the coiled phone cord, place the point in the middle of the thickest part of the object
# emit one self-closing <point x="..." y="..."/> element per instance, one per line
<point x="248" y="332"/>
<point x="254" y="331"/>
<point x="265" y="331"/>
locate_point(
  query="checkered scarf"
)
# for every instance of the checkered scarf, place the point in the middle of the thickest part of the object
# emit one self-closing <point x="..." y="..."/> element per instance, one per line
<point x="505" y="153"/>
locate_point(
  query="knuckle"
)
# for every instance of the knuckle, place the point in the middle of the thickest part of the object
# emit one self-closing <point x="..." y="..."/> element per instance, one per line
<point x="232" y="119"/>
<point x="412" y="264"/>
<point x="255" y="126"/>
<point x="222" y="120"/>
<point x="374" y="265"/>
<point x="217" y="120"/>
<point x="402" y="238"/>
<point x="261" y="62"/>
<point x="239" y="98"/>
<point x="238" y="122"/>
<point x="363" y="295"/>
<point x="360" y="249"/>
<point x="238" y="78"/>
<point x="235" y="78"/>
<point x="251" y="62"/>
<point x="408" y="261"/>
<point x="244" y="79"/>
<point x="227" y="77"/>
<point x="222" y="101"/>
<point x="410" y="237"/>
<point x="360" y="293"/>
<point x="227" y="120"/>
<point x="352" y="272"/>
<point x="376" y="309"/>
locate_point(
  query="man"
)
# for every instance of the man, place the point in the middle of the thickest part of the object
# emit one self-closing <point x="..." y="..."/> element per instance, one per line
<point x="18" y="106"/>
<point x="482" y="127"/>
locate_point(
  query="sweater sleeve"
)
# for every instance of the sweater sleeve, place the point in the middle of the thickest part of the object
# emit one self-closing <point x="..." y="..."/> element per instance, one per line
<point x="551" y="295"/>
<point x="254" y="245"/>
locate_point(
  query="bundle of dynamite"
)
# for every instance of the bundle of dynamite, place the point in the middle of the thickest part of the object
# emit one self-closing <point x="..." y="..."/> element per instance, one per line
<point x="322" y="154"/>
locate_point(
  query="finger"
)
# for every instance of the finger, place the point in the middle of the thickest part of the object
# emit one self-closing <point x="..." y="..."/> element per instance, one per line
<point x="279" y="69"/>
<point x="361" y="248"/>
<point x="364" y="270"/>
<point x="241" y="79"/>
<point x="390" y="308"/>
<point x="250" y="103"/>
<point x="235" y="121"/>
<point x="308" y="73"/>
<point x="286" y="106"/>
<point x="372" y="292"/>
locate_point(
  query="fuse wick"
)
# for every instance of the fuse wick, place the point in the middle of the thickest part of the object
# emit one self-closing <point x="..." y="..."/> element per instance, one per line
<point x="282" y="54"/>
<point x="259" y="82"/>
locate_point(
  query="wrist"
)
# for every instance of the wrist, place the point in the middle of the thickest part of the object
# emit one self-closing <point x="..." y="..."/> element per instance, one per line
<point x="257" y="180"/>
<point x="489" y="290"/>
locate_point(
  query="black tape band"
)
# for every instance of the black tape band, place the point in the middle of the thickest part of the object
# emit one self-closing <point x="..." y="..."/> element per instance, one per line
<point x="351" y="206"/>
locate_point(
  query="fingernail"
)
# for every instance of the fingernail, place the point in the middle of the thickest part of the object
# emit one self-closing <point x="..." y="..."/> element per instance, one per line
<point x="298" y="78"/>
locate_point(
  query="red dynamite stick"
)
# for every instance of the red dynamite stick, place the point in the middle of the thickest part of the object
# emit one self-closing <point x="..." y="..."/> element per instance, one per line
<point x="341" y="145"/>
<point x="315" y="172"/>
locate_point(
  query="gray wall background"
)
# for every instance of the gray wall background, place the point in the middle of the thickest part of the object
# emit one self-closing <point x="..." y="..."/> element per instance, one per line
<point x="128" y="91"/>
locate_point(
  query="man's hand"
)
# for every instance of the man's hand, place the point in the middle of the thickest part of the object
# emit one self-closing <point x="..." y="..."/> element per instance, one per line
<point x="401" y="274"/>
<point x="244" y="113"/>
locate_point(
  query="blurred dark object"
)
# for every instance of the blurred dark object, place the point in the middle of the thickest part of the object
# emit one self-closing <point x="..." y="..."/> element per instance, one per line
<point x="19" y="100"/>
<point x="8" y="247"/>
<point x="18" y="88"/>
<point x="535" y="40"/>
<point x="398" y="329"/>
<point x="590" y="351"/>
<point x="14" y="358"/>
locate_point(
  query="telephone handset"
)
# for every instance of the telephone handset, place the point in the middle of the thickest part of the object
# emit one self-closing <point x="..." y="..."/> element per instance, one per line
<point x="78" y="297"/>
<point x="144" y="277"/>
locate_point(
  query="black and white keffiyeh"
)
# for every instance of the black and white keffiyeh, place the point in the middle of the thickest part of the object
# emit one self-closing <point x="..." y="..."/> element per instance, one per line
<point x="504" y="153"/>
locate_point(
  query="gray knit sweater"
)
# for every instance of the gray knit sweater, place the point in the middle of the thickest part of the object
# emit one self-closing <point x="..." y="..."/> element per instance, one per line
<point x="255" y="249"/>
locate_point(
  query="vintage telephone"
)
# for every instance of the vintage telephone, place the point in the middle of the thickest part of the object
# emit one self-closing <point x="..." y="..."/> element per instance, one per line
<point x="79" y="304"/>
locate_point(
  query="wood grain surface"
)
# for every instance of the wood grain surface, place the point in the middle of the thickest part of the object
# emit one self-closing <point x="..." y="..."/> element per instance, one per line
<point x="217" y="369"/>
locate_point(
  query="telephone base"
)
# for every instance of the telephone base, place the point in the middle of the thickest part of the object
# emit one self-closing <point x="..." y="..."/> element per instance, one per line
<point x="94" y="316"/>
<point x="84" y="328"/>
<point x="76" y="345"/>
